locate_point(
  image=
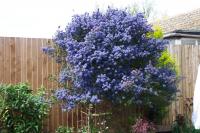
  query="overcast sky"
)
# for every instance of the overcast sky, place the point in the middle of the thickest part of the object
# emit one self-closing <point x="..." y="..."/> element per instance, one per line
<point x="40" y="18"/>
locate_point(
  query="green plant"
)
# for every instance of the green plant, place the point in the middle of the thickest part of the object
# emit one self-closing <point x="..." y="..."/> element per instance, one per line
<point x="120" y="63"/>
<point x="111" y="56"/>
<point x="21" y="110"/>
<point x="92" y="130"/>
<point x="158" y="32"/>
<point x="63" y="129"/>
<point x="167" y="61"/>
<point x="182" y="125"/>
<point x="90" y="127"/>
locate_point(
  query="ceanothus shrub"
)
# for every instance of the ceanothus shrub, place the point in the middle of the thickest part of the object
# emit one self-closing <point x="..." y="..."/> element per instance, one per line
<point x="111" y="57"/>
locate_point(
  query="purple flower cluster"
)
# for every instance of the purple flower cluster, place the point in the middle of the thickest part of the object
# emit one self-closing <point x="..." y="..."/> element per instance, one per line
<point x="151" y="82"/>
<point x="111" y="57"/>
<point x="65" y="75"/>
<point x="48" y="50"/>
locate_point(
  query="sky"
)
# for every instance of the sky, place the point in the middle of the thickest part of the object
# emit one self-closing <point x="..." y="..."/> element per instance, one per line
<point x="41" y="18"/>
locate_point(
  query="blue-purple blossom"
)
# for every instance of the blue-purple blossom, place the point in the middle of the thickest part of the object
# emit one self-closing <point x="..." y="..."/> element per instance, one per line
<point x="111" y="57"/>
<point x="65" y="75"/>
<point x="61" y="94"/>
<point x="48" y="50"/>
<point x="94" y="99"/>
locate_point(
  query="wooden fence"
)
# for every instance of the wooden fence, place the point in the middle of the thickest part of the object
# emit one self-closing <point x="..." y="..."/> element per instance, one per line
<point x="187" y="59"/>
<point x="21" y="60"/>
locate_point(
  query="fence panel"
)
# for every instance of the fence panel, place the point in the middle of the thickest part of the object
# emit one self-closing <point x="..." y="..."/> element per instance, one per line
<point x="21" y="60"/>
<point x="188" y="59"/>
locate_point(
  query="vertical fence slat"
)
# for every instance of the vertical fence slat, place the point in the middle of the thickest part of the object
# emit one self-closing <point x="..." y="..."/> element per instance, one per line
<point x="2" y="59"/>
<point x="28" y="61"/>
<point x="12" y="60"/>
<point x="18" y="76"/>
<point x="34" y="54"/>
<point x="7" y="61"/>
<point x="39" y="63"/>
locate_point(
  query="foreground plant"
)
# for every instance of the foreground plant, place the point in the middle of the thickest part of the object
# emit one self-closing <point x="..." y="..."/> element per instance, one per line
<point x="109" y="56"/>
<point x="21" y="110"/>
<point x="63" y="129"/>
<point x="112" y="57"/>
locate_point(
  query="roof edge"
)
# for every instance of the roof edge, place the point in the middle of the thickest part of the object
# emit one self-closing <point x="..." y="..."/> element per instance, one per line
<point x="183" y="33"/>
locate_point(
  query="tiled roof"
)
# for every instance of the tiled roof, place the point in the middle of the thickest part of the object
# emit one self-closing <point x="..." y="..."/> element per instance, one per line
<point x="187" y="21"/>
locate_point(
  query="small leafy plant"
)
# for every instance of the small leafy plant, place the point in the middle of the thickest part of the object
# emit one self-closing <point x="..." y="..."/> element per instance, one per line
<point x="21" y="110"/>
<point x="63" y="129"/>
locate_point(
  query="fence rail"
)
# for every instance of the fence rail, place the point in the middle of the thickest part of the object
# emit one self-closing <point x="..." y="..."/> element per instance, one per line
<point x="21" y="60"/>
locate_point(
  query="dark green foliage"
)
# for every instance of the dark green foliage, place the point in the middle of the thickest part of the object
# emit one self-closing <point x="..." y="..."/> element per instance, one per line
<point x="183" y="125"/>
<point x="63" y="129"/>
<point x="21" y="110"/>
<point x="92" y="130"/>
